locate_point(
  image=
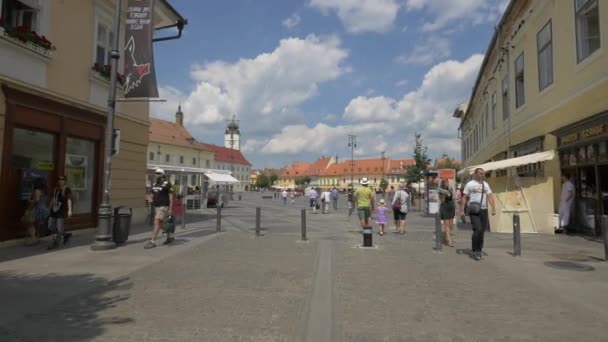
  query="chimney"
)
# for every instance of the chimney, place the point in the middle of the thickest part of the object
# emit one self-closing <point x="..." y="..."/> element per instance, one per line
<point x="179" y="116"/>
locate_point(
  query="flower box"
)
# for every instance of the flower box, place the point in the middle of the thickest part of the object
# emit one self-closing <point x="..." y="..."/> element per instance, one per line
<point x="27" y="39"/>
<point x="103" y="72"/>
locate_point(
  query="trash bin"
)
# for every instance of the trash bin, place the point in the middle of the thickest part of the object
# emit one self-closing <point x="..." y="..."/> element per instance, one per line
<point x="122" y="224"/>
<point x="367" y="237"/>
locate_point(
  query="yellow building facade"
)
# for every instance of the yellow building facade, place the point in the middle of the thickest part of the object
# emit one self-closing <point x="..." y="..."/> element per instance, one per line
<point x="53" y="108"/>
<point x="543" y="86"/>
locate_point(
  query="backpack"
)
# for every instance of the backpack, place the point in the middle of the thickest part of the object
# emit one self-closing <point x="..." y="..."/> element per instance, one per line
<point x="397" y="204"/>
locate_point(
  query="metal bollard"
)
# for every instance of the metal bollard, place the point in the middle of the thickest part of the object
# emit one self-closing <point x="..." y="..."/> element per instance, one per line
<point x="516" y="236"/>
<point x="367" y="237"/>
<point x="258" y="214"/>
<point x="304" y="225"/>
<point x="218" y="219"/>
<point x="438" y="235"/>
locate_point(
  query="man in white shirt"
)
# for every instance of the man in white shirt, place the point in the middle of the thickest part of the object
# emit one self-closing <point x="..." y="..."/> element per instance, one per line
<point x="284" y="196"/>
<point x="565" y="203"/>
<point x="312" y="196"/>
<point x="478" y="191"/>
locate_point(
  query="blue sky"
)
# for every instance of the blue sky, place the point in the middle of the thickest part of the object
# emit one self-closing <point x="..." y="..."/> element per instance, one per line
<point x="302" y="75"/>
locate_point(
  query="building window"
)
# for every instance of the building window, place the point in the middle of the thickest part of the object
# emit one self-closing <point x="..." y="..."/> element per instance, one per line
<point x="193" y="161"/>
<point x="494" y="111"/>
<point x="151" y="156"/>
<point x="103" y="46"/>
<point x="520" y="96"/>
<point x="17" y="13"/>
<point x="181" y="159"/>
<point x="505" y="97"/>
<point x="487" y="121"/>
<point x="544" y="43"/>
<point x="587" y="28"/>
<point x="167" y="158"/>
<point x="80" y="169"/>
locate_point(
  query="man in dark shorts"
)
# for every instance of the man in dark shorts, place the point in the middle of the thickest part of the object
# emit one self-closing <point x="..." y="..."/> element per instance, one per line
<point x="61" y="208"/>
<point x="162" y="200"/>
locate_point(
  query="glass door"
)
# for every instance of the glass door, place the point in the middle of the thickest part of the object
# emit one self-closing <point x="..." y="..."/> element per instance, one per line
<point x="80" y="166"/>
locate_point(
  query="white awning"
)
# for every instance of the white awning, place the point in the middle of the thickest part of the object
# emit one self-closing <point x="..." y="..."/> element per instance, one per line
<point x="182" y="169"/>
<point x="219" y="178"/>
<point x="511" y="162"/>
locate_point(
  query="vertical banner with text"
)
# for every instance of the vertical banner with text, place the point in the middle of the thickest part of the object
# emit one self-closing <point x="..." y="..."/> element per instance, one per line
<point x="140" y="77"/>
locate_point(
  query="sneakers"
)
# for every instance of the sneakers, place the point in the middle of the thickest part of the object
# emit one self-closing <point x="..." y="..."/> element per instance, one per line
<point x="66" y="238"/>
<point x="150" y="244"/>
<point x="169" y="240"/>
<point x="478" y="255"/>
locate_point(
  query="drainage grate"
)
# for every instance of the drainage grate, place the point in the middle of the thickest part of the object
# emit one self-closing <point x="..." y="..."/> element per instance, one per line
<point x="569" y="265"/>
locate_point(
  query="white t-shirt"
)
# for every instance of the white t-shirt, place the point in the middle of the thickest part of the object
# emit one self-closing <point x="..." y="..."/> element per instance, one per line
<point x="404" y="197"/>
<point x="567" y="187"/>
<point x="284" y="194"/>
<point x="473" y="190"/>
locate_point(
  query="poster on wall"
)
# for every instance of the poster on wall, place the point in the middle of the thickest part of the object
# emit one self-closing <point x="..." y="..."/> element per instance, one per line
<point x="140" y="75"/>
<point x="76" y="171"/>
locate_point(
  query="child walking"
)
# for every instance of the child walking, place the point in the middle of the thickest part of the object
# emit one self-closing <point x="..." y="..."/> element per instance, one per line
<point x="381" y="219"/>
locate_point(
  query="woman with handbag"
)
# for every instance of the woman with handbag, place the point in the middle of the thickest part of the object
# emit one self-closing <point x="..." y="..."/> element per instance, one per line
<point x="37" y="213"/>
<point x="477" y="195"/>
<point x="447" y="211"/>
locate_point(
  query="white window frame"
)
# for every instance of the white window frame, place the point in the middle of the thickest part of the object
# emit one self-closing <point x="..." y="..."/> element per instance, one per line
<point x="37" y="14"/>
<point x="546" y="47"/>
<point x="99" y="22"/>
<point x="579" y="9"/>
<point x="520" y="88"/>
<point x="494" y="103"/>
<point x="505" y="98"/>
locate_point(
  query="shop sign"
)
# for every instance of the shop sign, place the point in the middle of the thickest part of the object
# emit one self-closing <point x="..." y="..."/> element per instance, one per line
<point x="45" y="165"/>
<point x="586" y="133"/>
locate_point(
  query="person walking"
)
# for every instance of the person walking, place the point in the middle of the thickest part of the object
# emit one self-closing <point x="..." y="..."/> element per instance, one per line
<point x="162" y="199"/>
<point x="400" y="205"/>
<point x="61" y="208"/>
<point x="447" y="211"/>
<point x="38" y="215"/>
<point x="284" y="196"/>
<point x="325" y="199"/>
<point x="351" y="198"/>
<point x="565" y="203"/>
<point x="365" y="200"/>
<point x="292" y="197"/>
<point x="477" y="195"/>
<point x="460" y="212"/>
<point x="312" y="197"/>
<point x="380" y="214"/>
<point x="335" y="195"/>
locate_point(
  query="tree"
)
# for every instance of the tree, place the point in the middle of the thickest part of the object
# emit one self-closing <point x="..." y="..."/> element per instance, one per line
<point x="300" y="181"/>
<point x="383" y="184"/>
<point x="262" y="181"/>
<point x="415" y="172"/>
<point x="273" y="179"/>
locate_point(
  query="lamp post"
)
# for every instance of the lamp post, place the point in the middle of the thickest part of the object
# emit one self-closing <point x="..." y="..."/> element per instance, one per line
<point x="352" y="143"/>
<point x="420" y="191"/>
<point x="103" y="236"/>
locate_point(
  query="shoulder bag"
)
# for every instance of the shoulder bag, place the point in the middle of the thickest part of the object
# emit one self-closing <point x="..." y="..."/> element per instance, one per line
<point x="475" y="207"/>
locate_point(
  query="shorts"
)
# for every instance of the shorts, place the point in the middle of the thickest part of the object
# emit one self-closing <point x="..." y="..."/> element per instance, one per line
<point x="364" y="213"/>
<point x="398" y="215"/>
<point x="161" y="213"/>
<point x="447" y="210"/>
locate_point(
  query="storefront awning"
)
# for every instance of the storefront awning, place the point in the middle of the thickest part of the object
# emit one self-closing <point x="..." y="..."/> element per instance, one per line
<point x="219" y="178"/>
<point x="511" y="162"/>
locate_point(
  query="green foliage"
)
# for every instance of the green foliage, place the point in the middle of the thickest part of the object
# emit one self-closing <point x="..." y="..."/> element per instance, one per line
<point x="383" y="184"/>
<point x="273" y="179"/>
<point x="415" y="172"/>
<point x="262" y="181"/>
<point x="302" y="181"/>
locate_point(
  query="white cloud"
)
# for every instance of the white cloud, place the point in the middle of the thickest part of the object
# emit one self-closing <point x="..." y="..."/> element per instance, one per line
<point x="359" y="16"/>
<point x="427" y="109"/>
<point x="261" y="91"/>
<point x="401" y="83"/>
<point x="451" y="12"/>
<point x="427" y="52"/>
<point x="293" y="21"/>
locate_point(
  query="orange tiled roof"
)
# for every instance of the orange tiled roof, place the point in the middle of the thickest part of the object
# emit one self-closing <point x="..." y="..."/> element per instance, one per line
<point x="318" y="166"/>
<point x="170" y="133"/>
<point x="441" y="160"/>
<point x="224" y="154"/>
<point x="295" y="169"/>
<point x="399" y="165"/>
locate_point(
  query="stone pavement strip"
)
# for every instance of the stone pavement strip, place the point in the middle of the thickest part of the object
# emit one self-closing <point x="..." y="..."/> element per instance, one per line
<point x="234" y="286"/>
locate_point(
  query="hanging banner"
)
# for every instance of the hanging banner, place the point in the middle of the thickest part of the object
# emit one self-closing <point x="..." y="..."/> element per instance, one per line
<point x="140" y="77"/>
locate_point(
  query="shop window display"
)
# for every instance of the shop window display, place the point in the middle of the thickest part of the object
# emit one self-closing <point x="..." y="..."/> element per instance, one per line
<point x="80" y="173"/>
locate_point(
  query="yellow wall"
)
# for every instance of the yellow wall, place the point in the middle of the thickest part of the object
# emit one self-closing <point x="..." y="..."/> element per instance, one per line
<point x="578" y="90"/>
<point x="175" y="152"/>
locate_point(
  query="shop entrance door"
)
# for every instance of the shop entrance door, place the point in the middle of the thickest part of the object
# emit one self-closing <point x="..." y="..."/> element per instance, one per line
<point x="33" y="156"/>
<point x="587" y="204"/>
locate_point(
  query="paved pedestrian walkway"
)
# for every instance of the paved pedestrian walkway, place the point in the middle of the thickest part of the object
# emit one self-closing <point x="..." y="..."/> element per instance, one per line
<point x="234" y="286"/>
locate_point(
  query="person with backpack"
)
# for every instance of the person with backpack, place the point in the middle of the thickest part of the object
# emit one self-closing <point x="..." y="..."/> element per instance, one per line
<point x="61" y="208"/>
<point x="162" y="198"/>
<point x="400" y="207"/>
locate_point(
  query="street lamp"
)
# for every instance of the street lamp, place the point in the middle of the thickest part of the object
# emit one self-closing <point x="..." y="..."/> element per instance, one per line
<point x="352" y="143"/>
<point x="420" y="191"/>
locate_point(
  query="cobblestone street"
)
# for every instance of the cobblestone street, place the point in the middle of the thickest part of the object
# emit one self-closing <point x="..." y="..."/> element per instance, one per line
<point x="234" y="286"/>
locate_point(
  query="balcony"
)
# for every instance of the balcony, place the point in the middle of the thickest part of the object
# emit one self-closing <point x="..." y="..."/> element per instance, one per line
<point x="23" y="38"/>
